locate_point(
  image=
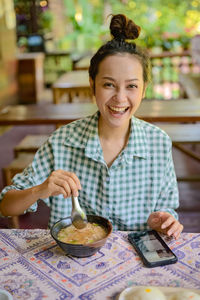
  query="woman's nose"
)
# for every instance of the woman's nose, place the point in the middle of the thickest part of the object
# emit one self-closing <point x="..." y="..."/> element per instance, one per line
<point x="120" y="94"/>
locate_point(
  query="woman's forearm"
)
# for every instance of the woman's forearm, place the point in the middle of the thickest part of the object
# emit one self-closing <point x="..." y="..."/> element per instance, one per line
<point x="15" y="202"/>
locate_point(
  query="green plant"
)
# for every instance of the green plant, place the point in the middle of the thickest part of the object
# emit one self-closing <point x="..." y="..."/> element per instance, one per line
<point x="45" y="21"/>
<point x="86" y="22"/>
<point x="165" y="23"/>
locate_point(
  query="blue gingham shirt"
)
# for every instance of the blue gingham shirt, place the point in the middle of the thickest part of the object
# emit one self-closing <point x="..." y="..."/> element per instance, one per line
<point x="141" y="180"/>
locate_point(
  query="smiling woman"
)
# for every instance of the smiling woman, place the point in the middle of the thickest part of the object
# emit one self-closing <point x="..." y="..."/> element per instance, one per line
<point x="119" y="89"/>
<point x="120" y="166"/>
<point x="119" y="73"/>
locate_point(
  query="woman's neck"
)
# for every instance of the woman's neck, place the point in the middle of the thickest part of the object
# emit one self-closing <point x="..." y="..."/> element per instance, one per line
<point x="111" y="134"/>
<point x="113" y="141"/>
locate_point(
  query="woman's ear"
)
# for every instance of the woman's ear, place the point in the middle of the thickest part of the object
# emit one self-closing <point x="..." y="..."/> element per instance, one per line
<point x="92" y="86"/>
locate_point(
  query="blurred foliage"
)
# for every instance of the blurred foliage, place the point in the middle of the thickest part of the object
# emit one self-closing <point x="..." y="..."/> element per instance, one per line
<point x="24" y="15"/>
<point x="45" y="21"/>
<point x="86" y="21"/>
<point x="168" y="24"/>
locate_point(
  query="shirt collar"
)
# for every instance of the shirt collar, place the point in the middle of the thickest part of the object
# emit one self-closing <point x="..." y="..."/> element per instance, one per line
<point x="137" y="145"/>
<point x="93" y="147"/>
<point x="87" y="137"/>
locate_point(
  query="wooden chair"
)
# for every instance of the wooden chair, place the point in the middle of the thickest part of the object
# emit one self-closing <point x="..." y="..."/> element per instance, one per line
<point x="30" y="143"/>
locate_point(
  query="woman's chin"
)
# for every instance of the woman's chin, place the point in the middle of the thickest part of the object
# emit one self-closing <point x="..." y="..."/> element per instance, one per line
<point x="116" y="120"/>
<point x="119" y="119"/>
<point x="119" y="123"/>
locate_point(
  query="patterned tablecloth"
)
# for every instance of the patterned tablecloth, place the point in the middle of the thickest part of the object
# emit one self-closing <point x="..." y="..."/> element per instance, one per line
<point x="32" y="266"/>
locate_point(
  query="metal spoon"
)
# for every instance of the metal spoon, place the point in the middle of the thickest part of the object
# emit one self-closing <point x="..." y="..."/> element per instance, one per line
<point x="78" y="216"/>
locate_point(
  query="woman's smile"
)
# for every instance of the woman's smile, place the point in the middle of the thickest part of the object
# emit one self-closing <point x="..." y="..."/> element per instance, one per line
<point x="118" y="109"/>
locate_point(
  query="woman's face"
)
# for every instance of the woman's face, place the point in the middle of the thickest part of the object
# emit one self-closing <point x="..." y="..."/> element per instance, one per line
<point x="119" y="89"/>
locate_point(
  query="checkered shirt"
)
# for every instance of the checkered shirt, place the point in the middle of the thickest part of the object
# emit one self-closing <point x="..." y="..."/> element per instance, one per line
<point x="141" y="180"/>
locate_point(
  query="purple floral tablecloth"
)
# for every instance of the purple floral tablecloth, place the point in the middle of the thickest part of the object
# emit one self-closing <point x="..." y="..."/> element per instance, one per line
<point x="32" y="266"/>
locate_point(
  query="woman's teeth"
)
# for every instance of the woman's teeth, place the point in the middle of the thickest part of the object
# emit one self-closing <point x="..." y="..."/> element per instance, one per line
<point x="118" y="109"/>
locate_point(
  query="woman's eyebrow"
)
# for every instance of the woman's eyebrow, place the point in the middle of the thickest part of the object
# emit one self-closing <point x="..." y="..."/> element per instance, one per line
<point x="108" y="78"/>
<point x="127" y="80"/>
<point x="133" y="79"/>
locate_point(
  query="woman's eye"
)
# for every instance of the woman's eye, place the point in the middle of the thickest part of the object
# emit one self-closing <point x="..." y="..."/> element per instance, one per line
<point x="108" y="84"/>
<point x="132" y="86"/>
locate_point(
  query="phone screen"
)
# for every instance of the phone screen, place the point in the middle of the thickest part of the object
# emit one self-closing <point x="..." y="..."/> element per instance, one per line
<point x="152" y="247"/>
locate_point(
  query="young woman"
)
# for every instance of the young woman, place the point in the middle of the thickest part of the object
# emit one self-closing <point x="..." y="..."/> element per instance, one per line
<point x="121" y="167"/>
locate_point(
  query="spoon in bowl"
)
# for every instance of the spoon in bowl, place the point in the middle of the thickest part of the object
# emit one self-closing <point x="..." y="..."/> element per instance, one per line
<point x="78" y="216"/>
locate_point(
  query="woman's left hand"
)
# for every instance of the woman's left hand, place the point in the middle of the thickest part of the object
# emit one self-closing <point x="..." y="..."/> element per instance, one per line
<point x="164" y="222"/>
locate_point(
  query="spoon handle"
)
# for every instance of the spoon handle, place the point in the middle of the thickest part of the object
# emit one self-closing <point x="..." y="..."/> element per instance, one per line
<point x="78" y="216"/>
<point x="75" y="203"/>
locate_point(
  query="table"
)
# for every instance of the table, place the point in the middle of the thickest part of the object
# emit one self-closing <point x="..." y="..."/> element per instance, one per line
<point x="45" y="114"/>
<point x="178" y="110"/>
<point x="186" y="110"/>
<point x="32" y="266"/>
<point x="74" y="83"/>
<point x="83" y="64"/>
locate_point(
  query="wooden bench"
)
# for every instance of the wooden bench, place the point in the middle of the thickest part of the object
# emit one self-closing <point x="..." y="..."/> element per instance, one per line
<point x="24" y="153"/>
<point x="30" y="144"/>
<point x="16" y="166"/>
<point x="181" y="135"/>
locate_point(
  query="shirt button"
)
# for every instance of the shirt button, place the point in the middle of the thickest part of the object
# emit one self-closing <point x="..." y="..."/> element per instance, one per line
<point x="107" y="210"/>
<point x="107" y="179"/>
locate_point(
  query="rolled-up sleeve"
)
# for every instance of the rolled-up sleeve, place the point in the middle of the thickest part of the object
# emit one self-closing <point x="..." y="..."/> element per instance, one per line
<point x="34" y="174"/>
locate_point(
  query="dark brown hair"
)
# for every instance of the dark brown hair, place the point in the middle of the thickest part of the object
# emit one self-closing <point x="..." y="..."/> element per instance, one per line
<point x="122" y="29"/>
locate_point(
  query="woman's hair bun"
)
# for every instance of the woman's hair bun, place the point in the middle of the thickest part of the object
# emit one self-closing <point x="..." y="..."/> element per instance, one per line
<point x="123" y="28"/>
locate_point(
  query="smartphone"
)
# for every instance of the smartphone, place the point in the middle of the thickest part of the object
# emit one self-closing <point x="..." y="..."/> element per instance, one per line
<point x="152" y="248"/>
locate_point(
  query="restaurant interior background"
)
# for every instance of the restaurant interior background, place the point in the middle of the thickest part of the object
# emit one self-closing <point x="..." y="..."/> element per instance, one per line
<point x="59" y="33"/>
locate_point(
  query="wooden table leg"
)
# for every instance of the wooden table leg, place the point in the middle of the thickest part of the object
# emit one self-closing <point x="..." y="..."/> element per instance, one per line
<point x="56" y="96"/>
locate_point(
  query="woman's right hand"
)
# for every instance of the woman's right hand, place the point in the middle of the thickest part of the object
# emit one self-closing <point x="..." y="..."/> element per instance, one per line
<point x="15" y="202"/>
<point x="60" y="182"/>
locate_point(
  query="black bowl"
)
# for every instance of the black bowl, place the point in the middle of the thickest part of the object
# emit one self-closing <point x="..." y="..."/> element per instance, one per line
<point x="80" y="250"/>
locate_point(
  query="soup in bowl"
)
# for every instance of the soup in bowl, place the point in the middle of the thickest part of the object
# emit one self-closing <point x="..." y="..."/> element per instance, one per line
<point x="81" y="242"/>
